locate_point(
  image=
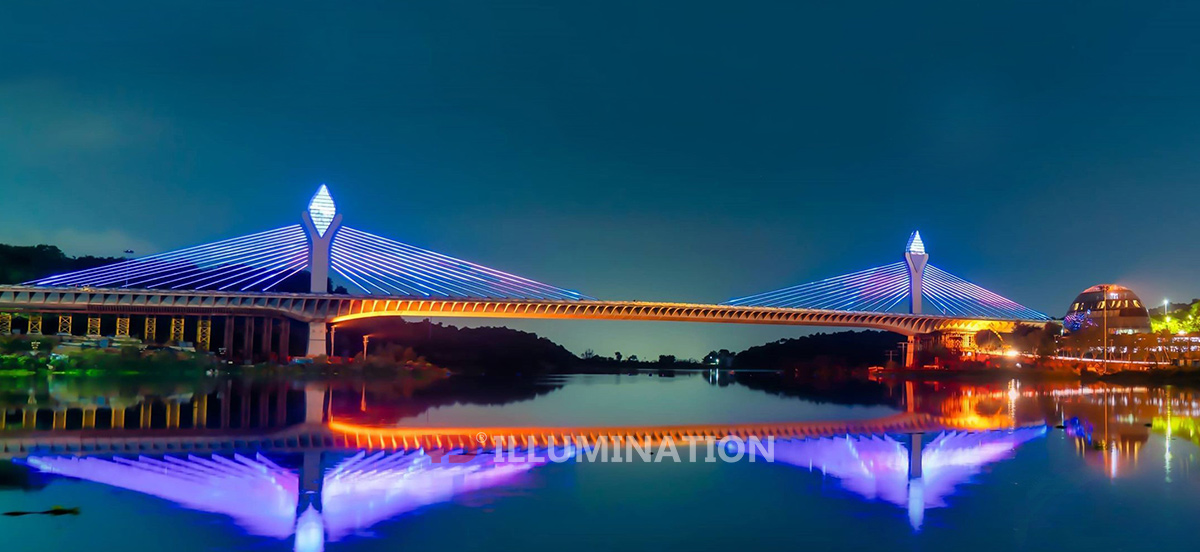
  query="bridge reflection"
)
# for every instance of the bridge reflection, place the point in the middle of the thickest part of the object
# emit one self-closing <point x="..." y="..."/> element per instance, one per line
<point x="267" y="499"/>
<point x="298" y="476"/>
<point x="1109" y="424"/>
<point x="321" y="496"/>
<point x="915" y="475"/>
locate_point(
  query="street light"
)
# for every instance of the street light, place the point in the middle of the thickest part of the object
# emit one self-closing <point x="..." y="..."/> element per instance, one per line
<point x="127" y="252"/>
<point x="366" y="339"/>
<point x="1104" y="303"/>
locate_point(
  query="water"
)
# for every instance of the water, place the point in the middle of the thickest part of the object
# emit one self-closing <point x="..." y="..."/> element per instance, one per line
<point x="1103" y="481"/>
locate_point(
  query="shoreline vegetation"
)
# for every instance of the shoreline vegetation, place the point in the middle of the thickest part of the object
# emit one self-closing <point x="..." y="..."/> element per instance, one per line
<point x="502" y="352"/>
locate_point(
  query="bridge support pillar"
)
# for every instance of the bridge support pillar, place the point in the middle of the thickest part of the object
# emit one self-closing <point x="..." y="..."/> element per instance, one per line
<point x="916" y="482"/>
<point x="248" y="341"/>
<point x="174" y="409"/>
<point x="314" y="403"/>
<point x="316" y="339"/>
<point x="5" y="323"/>
<point x="64" y="324"/>
<point x="144" y="415"/>
<point x="227" y="339"/>
<point x="910" y="352"/>
<point x="914" y="455"/>
<point x="268" y="337"/>
<point x="200" y="411"/>
<point x="245" y="407"/>
<point x="285" y="340"/>
<point x="226" y="398"/>
<point x="281" y="406"/>
<point x="35" y="324"/>
<point x="118" y="418"/>
<point x="203" y="333"/>
<point x="264" y="409"/>
<point x="93" y="326"/>
<point x="89" y="418"/>
<point x="122" y="327"/>
<point x="148" y="335"/>
<point x="311" y="480"/>
<point x="177" y="330"/>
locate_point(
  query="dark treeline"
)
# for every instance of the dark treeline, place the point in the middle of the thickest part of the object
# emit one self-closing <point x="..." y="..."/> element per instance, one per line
<point x="839" y="389"/>
<point x="388" y="402"/>
<point x="503" y="351"/>
<point x="19" y="263"/>
<point x="841" y="350"/>
<point x="489" y="350"/>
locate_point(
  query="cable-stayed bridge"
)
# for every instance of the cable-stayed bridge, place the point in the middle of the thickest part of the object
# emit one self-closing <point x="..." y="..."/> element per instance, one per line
<point x="335" y="479"/>
<point x="232" y="289"/>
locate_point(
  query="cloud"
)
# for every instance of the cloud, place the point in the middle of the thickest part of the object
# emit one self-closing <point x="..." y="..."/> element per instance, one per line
<point x="43" y="119"/>
<point x="77" y="242"/>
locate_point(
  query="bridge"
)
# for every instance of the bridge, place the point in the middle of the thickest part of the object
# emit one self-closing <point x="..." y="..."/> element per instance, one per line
<point x="316" y="480"/>
<point x="232" y="289"/>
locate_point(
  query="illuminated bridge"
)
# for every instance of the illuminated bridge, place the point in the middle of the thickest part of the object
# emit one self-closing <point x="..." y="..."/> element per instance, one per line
<point x="226" y="295"/>
<point x="316" y="480"/>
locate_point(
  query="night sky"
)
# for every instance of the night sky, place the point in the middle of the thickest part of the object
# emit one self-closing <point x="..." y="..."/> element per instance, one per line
<point x="689" y="151"/>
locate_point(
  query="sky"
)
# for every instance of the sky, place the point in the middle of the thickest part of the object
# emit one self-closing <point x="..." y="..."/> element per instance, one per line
<point x="673" y="151"/>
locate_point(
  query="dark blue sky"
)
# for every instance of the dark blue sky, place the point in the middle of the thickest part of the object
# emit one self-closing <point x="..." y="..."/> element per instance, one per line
<point x="689" y="151"/>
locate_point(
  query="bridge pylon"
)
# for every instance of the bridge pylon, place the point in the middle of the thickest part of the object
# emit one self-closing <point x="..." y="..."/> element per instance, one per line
<point x="916" y="258"/>
<point x="321" y="223"/>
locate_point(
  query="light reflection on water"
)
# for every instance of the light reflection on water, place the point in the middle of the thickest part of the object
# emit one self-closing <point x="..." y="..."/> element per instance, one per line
<point x="1139" y="439"/>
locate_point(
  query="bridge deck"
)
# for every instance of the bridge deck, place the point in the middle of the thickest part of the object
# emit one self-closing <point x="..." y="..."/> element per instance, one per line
<point x="341" y="436"/>
<point x="342" y="308"/>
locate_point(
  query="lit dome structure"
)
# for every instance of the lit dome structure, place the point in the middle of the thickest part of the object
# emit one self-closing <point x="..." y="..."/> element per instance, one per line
<point x="1123" y="309"/>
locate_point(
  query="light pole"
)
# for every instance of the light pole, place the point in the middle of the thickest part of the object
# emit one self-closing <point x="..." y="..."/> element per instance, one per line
<point x="366" y="339"/>
<point x="127" y="252"/>
<point x="332" y="340"/>
<point x="1166" y="322"/>
<point x="1104" y="345"/>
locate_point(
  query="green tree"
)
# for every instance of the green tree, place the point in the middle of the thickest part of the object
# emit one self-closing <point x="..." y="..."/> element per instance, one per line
<point x="989" y="341"/>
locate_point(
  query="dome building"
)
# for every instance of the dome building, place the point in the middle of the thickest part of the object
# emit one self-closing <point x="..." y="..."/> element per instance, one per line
<point x="1124" y="310"/>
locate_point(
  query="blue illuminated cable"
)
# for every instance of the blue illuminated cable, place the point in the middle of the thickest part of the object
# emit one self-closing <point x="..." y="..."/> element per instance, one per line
<point x="252" y="262"/>
<point x="988" y="297"/>
<point x="137" y="269"/>
<point x="978" y="300"/>
<point x="812" y="294"/>
<point x="443" y="263"/>
<point x="383" y="262"/>
<point x="377" y="267"/>
<point x="264" y="273"/>
<point x="436" y="282"/>
<point x="799" y="294"/>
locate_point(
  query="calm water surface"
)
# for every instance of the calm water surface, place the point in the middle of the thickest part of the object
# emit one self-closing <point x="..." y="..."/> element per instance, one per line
<point x="1120" y="474"/>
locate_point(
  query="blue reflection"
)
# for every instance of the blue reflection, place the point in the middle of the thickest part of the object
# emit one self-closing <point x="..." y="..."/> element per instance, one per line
<point x="882" y="468"/>
<point x="266" y="499"/>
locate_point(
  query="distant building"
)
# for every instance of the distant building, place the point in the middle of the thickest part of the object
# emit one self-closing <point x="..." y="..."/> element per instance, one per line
<point x="1124" y="309"/>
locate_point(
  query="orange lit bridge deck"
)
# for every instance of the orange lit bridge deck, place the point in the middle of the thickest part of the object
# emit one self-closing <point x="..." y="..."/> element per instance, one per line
<point x="343" y="436"/>
<point x="489" y="438"/>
